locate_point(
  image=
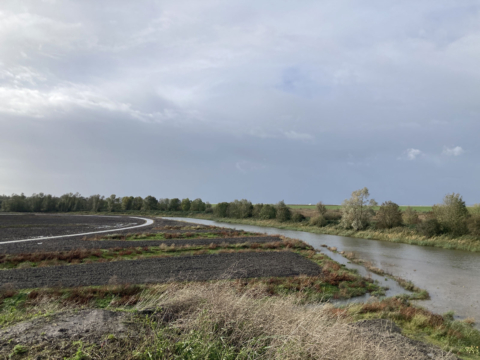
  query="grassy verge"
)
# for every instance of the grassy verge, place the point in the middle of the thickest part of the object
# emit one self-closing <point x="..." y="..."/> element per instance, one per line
<point x="397" y="235"/>
<point x="459" y="337"/>
<point x="228" y="320"/>
<point x="175" y="236"/>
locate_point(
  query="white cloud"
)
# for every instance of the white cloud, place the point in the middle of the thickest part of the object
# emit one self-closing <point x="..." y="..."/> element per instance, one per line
<point x="293" y="135"/>
<point x="39" y="104"/>
<point x="454" y="151"/>
<point x="412" y="154"/>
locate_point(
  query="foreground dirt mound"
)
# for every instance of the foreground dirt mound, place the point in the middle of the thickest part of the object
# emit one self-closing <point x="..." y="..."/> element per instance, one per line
<point x="385" y="334"/>
<point x="90" y="325"/>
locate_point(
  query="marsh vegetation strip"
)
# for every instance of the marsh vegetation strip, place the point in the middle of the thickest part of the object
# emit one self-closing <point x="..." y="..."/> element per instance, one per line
<point x="204" y="267"/>
<point x="449" y="276"/>
<point x="337" y="207"/>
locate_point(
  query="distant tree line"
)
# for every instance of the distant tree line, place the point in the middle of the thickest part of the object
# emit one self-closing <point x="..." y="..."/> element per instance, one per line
<point x="96" y="203"/>
<point x="359" y="212"/>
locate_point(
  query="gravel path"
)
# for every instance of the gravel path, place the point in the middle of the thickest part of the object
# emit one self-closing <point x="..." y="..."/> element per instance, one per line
<point x="198" y="268"/>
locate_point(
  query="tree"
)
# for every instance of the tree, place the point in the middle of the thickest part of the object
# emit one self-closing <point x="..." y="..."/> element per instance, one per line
<point x="97" y="202"/>
<point x="321" y="208"/>
<point x="283" y="212"/>
<point x="389" y="215"/>
<point x="150" y="203"/>
<point x="113" y="203"/>
<point x="197" y="205"/>
<point x="186" y="203"/>
<point x="221" y="210"/>
<point x="49" y="203"/>
<point x="137" y="203"/>
<point x="127" y="203"/>
<point x="257" y="208"/>
<point x="175" y="205"/>
<point x="240" y="209"/>
<point x="452" y="214"/>
<point x="36" y="202"/>
<point x="16" y="203"/>
<point x="163" y="204"/>
<point x="357" y="211"/>
<point x="268" y="212"/>
<point x="208" y="208"/>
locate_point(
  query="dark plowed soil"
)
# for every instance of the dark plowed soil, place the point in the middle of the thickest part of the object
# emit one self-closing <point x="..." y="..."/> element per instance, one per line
<point x="12" y="224"/>
<point x="52" y="245"/>
<point x="15" y="227"/>
<point x="194" y="268"/>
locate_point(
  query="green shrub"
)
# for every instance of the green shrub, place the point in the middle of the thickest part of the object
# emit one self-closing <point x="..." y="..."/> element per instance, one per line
<point x="452" y="214"/>
<point x="318" y="221"/>
<point x="410" y="216"/>
<point x="321" y="208"/>
<point x="297" y="217"/>
<point x="332" y="215"/>
<point x="283" y="212"/>
<point x="473" y="225"/>
<point x="430" y="228"/>
<point x="389" y="216"/>
<point x="221" y="210"/>
<point x="268" y="212"/>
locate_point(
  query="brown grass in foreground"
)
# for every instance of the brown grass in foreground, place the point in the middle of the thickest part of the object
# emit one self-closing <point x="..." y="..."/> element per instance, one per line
<point x="283" y="329"/>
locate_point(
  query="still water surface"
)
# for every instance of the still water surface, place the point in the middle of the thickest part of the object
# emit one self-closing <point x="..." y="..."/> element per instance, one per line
<point x="452" y="277"/>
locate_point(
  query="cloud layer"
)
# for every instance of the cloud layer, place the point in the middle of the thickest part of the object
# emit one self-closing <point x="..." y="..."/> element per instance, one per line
<point x="221" y="100"/>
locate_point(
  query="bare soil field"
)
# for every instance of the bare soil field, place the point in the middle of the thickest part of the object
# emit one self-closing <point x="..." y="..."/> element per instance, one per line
<point x="15" y="227"/>
<point x="140" y="271"/>
<point x="192" y="268"/>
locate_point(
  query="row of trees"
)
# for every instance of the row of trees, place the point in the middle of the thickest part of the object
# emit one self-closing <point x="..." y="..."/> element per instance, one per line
<point x="450" y="217"/>
<point x="242" y="209"/>
<point x="359" y="212"/>
<point x="96" y="203"/>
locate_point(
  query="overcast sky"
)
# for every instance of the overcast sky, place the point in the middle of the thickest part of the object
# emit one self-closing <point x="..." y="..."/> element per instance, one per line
<point x="264" y="100"/>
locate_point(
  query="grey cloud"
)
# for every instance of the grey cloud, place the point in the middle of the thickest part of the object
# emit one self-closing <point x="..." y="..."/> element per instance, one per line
<point x="263" y="100"/>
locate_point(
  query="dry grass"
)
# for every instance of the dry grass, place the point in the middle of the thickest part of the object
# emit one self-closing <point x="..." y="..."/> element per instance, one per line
<point x="273" y="328"/>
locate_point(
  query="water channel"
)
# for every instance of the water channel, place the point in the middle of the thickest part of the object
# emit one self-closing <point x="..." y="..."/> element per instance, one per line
<point x="452" y="277"/>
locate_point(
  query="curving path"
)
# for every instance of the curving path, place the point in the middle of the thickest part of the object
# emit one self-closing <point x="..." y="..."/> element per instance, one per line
<point x="148" y="222"/>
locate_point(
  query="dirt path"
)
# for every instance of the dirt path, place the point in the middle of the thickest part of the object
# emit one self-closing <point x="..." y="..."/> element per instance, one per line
<point x="198" y="268"/>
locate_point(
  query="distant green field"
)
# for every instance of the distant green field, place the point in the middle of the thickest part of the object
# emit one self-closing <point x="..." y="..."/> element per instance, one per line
<point x="333" y="207"/>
